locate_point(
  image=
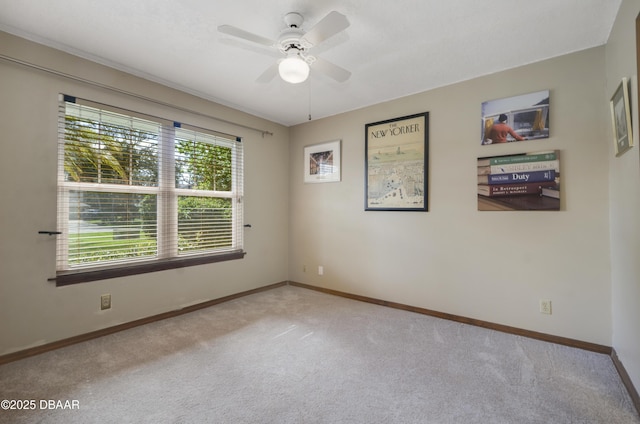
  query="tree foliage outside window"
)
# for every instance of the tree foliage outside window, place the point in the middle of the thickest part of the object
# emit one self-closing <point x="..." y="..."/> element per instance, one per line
<point x="100" y="152"/>
<point x="203" y="166"/>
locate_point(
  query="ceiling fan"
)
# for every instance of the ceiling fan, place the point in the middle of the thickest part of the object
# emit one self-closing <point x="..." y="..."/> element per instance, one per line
<point x="294" y="43"/>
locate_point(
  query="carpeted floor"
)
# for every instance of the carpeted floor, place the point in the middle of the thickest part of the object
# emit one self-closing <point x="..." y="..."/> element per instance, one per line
<point x="292" y="355"/>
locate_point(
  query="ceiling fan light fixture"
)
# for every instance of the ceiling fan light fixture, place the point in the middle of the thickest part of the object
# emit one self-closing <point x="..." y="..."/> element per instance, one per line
<point x="293" y="69"/>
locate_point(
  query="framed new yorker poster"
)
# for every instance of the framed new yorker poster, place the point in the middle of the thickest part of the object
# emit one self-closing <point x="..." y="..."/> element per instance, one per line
<point x="396" y="164"/>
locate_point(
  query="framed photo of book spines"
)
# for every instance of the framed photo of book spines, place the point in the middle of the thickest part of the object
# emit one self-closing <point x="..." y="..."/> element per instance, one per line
<point x="519" y="182"/>
<point x="621" y="118"/>
<point x="396" y="164"/>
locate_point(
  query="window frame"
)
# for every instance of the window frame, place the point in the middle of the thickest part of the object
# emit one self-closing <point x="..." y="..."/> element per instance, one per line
<point x="167" y="203"/>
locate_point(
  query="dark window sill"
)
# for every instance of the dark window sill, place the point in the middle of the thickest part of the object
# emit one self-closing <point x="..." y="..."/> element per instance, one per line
<point x="75" y="277"/>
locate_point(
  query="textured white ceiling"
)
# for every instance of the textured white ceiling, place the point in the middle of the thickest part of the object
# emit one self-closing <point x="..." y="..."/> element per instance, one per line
<point x="393" y="49"/>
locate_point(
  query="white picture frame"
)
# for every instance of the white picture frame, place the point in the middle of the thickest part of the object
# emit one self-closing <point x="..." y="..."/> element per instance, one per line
<point x="322" y="162"/>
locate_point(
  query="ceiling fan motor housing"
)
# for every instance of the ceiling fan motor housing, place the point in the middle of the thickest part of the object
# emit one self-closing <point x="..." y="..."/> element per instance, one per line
<point x="291" y="37"/>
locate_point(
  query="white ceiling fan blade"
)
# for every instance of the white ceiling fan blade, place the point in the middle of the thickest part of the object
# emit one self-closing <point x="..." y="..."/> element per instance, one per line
<point x="268" y="74"/>
<point x="329" y="26"/>
<point x="334" y="71"/>
<point x="240" y="33"/>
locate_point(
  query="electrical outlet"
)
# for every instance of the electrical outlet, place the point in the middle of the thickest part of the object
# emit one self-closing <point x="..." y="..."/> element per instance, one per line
<point x="304" y="268"/>
<point x="545" y="306"/>
<point x="105" y="302"/>
<point x="320" y="270"/>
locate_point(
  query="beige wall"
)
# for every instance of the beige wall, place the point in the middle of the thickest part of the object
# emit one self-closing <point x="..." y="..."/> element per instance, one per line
<point x="493" y="266"/>
<point x="624" y="185"/>
<point x="32" y="310"/>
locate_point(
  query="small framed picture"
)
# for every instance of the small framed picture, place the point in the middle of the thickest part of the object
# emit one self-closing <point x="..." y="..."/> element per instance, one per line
<point x="322" y="162"/>
<point x="621" y="118"/>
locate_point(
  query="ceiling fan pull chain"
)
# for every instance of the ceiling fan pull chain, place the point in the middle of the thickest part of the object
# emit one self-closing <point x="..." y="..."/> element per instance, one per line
<point x="309" y="99"/>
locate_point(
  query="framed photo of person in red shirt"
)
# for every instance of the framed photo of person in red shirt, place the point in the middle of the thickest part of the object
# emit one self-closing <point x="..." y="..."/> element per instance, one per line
<point x="518" y="118"/>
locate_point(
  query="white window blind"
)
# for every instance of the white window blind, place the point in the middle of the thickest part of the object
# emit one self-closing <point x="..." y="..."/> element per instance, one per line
<point x="134" y="188"/>
<point x="204" y="184"/>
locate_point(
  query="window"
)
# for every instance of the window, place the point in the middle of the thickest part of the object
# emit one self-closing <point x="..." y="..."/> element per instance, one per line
<point x="139" y="194"/>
